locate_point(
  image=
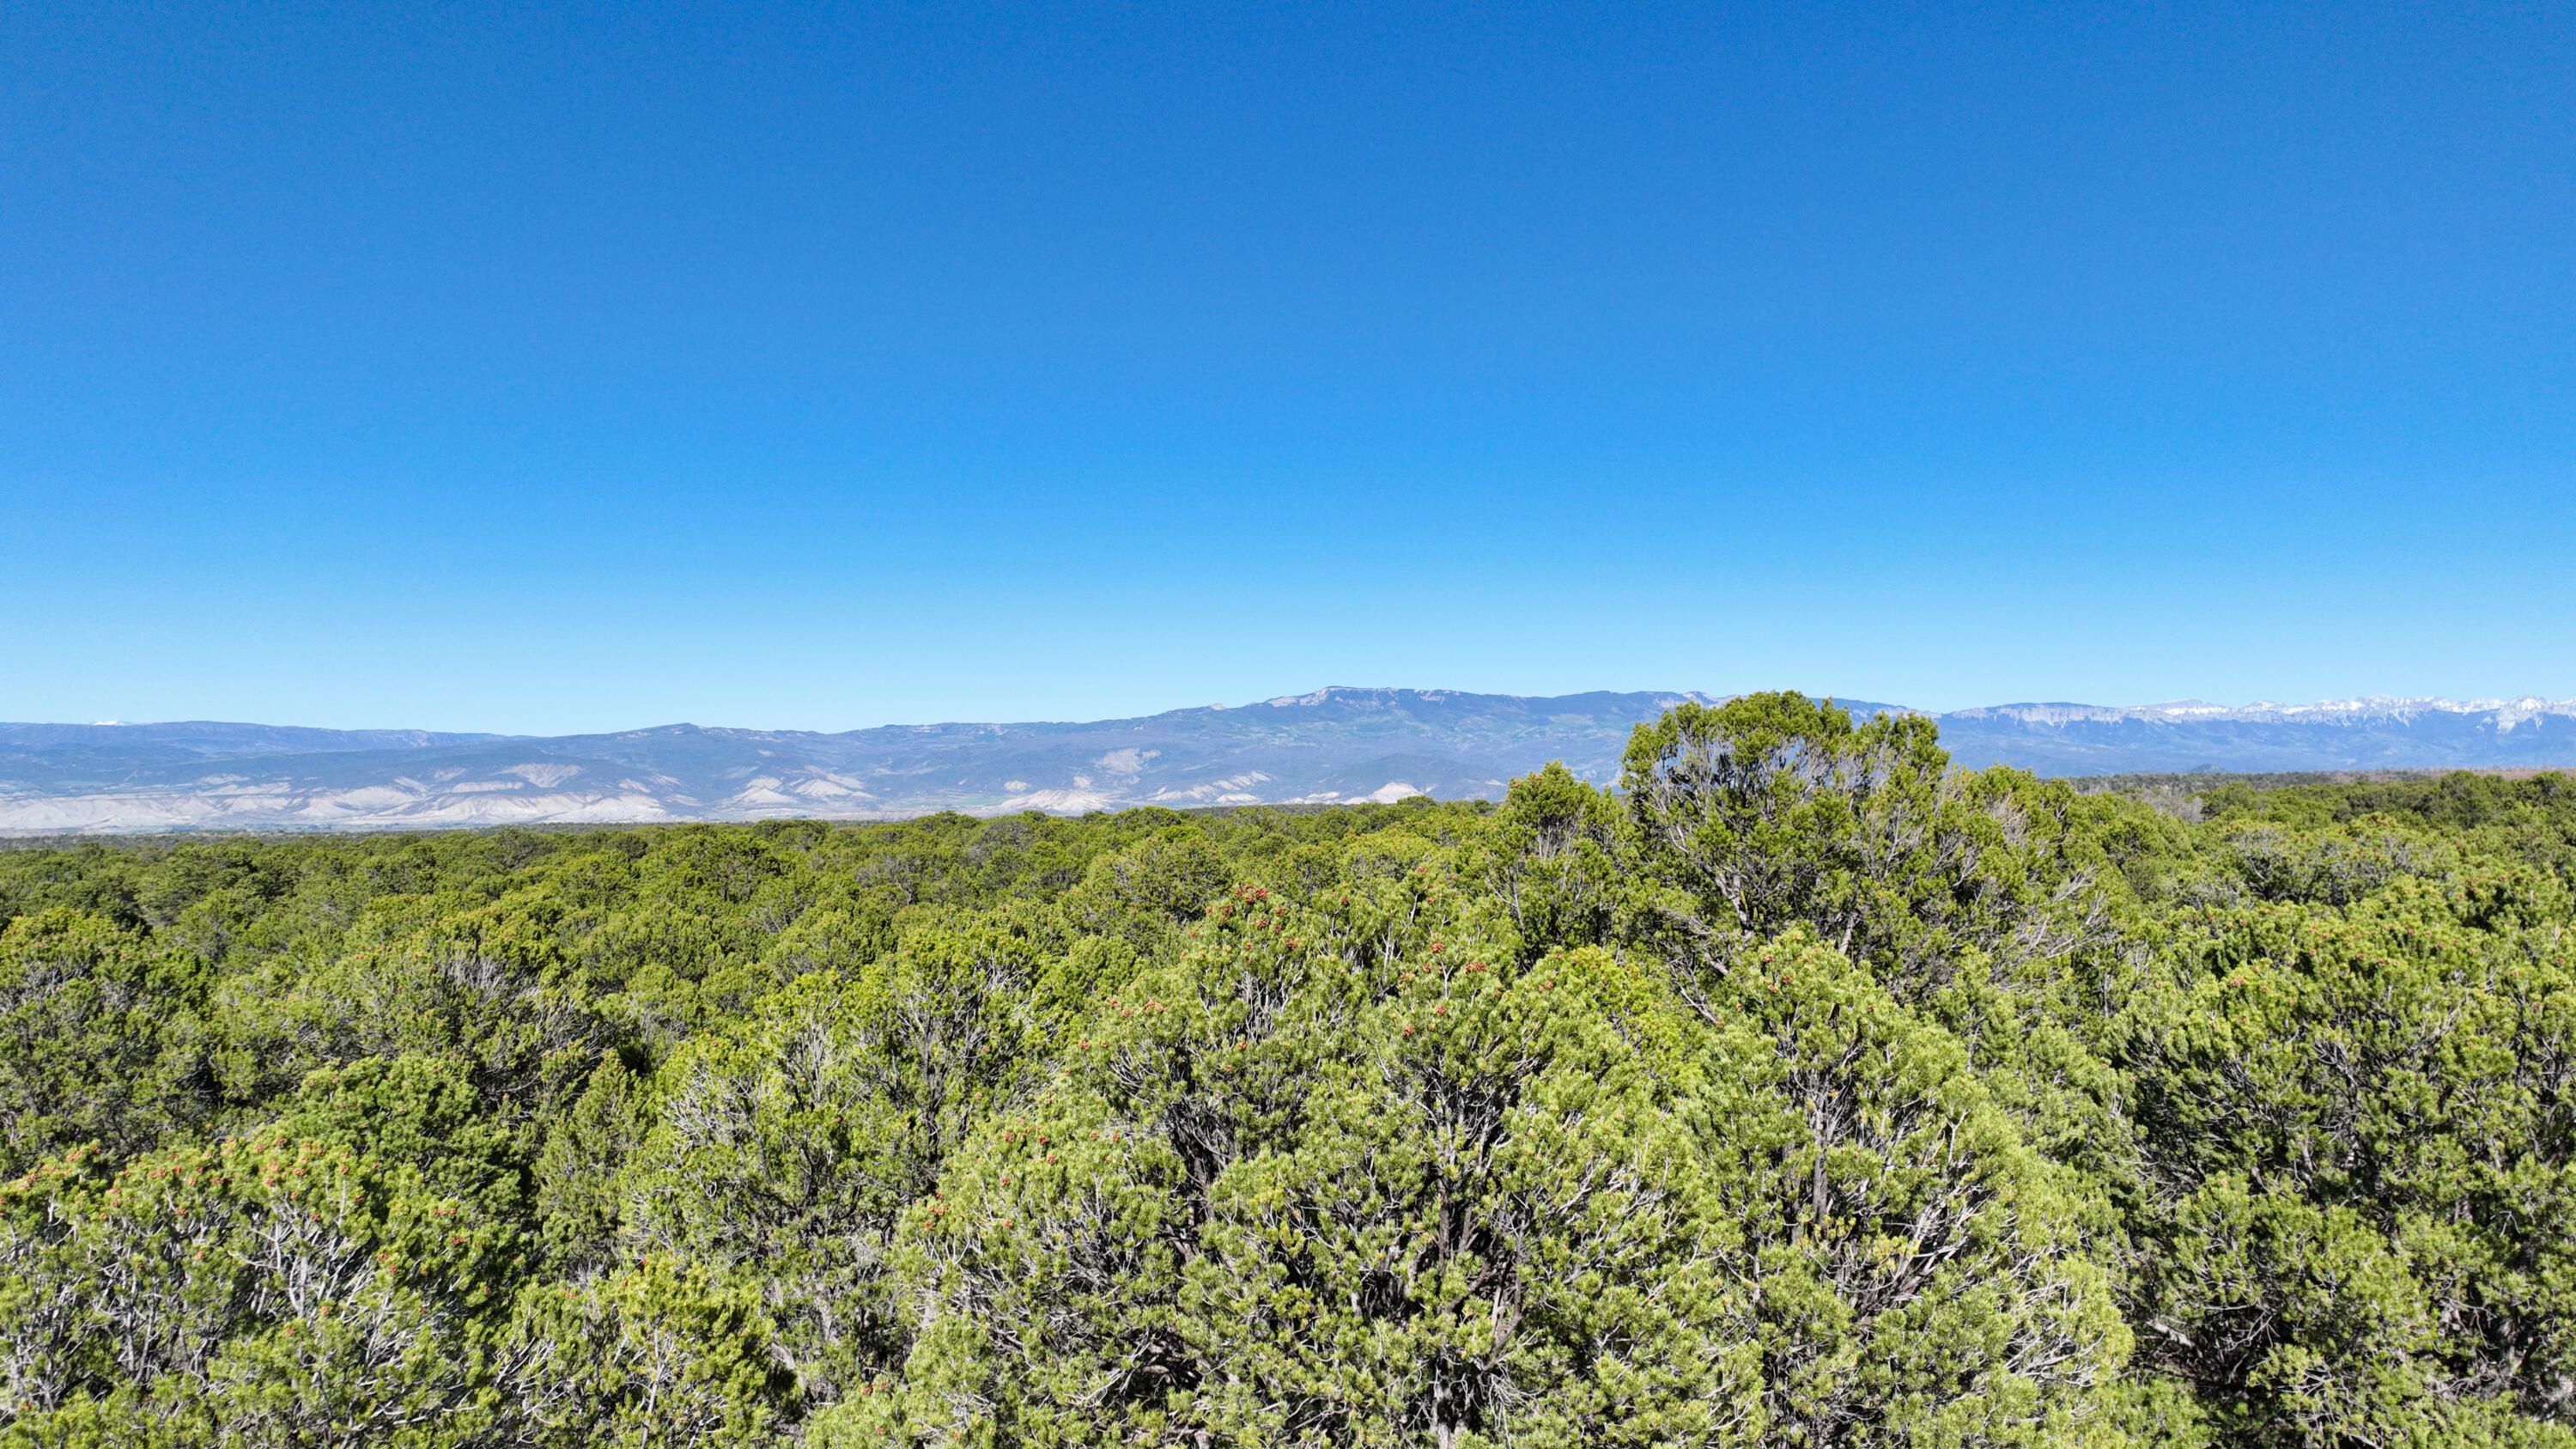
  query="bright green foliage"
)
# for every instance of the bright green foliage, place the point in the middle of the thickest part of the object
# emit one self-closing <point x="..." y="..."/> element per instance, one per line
<point x="1341" y="1175"/>
<point x="440" y="975"/>
<point x="1559" y="860"/>
<point x="334" y="1277"/>
<point x="644" y="1357"/>
<point x="581" y="1169"/>
<point x="1976" y="898"/>
<point x="1435" y="1196"/>
<point x="1141" y="893"/>
<point x="95" y="1039"/>
<point x="1803" y="1092"/>
<point x="786" y="1147"/>
<point x="1921" y="1271"/>
<point x="2364" y="1135"/>
<point x="1773" y="811"/>
<point x="2532" y="820"/>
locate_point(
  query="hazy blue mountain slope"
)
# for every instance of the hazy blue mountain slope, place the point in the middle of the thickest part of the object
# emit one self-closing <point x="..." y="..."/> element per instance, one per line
<point x="1333" y="744"/>
<point x="2369" y="734"/>
<point x="218" y="738"/>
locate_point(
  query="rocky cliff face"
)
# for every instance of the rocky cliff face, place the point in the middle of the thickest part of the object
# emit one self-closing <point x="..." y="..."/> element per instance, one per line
<point x="1335" y="744"/>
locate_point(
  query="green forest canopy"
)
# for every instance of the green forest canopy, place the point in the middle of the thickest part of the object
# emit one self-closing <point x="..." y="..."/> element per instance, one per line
<point x="1802" y="1091"/>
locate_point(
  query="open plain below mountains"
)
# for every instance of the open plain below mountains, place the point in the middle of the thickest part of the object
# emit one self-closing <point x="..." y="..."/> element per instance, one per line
<point x="1335" y="745"/>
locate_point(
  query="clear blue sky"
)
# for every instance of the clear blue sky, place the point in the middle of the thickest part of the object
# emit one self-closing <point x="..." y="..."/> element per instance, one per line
<point x="548" y="368"/>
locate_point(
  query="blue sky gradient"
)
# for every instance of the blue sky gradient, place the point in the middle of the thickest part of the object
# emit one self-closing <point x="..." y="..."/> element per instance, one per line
<point x="560" y="368"/>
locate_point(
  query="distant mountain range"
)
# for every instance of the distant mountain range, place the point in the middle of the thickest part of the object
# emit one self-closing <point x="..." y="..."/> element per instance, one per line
<point x="1336" y="744"/>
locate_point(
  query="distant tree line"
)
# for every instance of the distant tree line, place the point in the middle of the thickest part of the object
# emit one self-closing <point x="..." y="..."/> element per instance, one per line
<point x="1801" y="1091"/>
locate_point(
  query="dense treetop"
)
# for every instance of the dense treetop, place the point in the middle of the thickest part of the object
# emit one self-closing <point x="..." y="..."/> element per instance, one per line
<point x="1800" y="1091"/>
